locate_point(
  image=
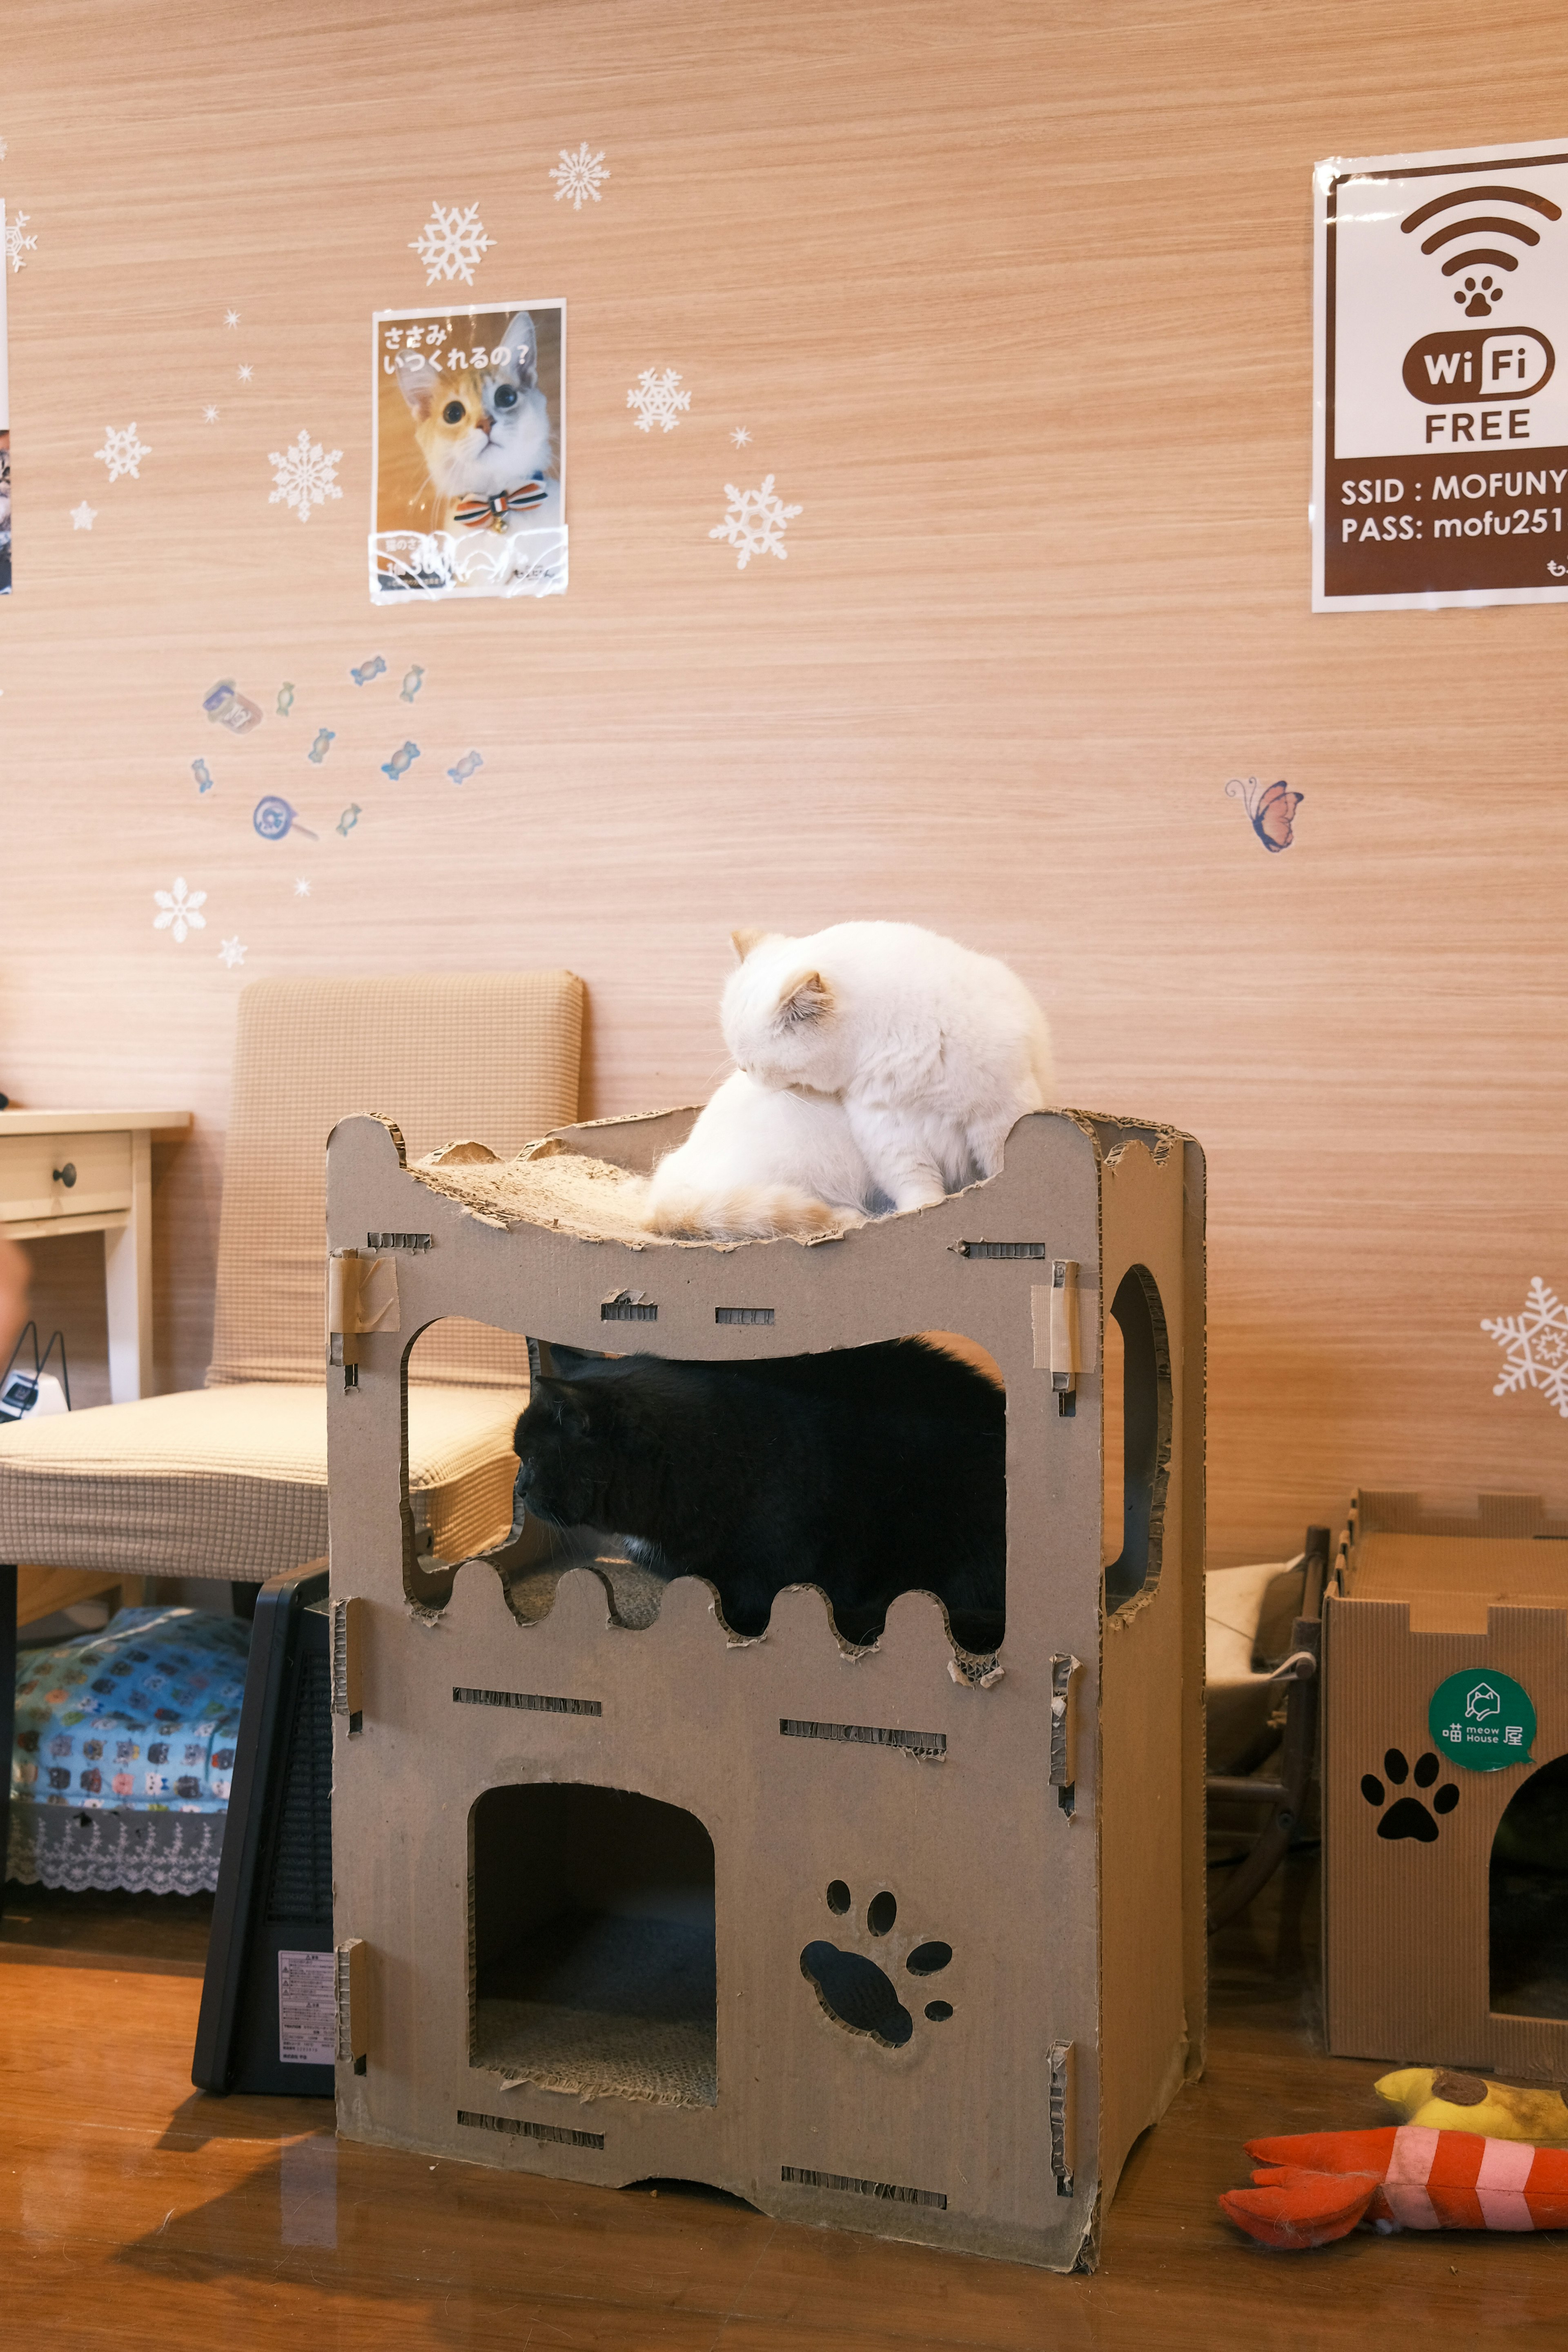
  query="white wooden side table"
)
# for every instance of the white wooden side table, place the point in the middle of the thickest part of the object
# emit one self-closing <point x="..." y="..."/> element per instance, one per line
<point x="90" y="1171"/>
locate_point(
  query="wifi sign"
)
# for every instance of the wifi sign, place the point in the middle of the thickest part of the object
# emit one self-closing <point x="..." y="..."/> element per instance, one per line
<point x="1440" y="453"/>
<point x="1480" y="292"/>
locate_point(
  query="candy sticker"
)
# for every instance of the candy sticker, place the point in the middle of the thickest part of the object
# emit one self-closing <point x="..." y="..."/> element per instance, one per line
<point x="400" y="762"/>
<point x="325" y="738"/>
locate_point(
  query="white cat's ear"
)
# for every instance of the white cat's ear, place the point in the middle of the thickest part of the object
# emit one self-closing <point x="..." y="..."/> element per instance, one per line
<point x="810" y="998"/>
<point x="420" y="381"/>
<point x="521" y="341"/>
<point x="744" y="941"/>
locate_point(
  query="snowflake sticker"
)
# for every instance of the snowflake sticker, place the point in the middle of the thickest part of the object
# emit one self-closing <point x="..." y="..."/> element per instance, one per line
<point x="739" y="436"/>
<point x="656" y="400"/>
<point x="17" y="244"/>
<point x="451" y="244"/>
<point x="1536" y="1343"/>
<point x="122" y="452"/>
<point x="756" y="522"/>
<point x="306" y="475"/>
<point x="579" y="175"/>
<point x="83" y="517"/>
<point x="231" y="318"/>
<point x="232" y="952"/>
<point x="209" y="415"/>
<point x="179" y="907"/>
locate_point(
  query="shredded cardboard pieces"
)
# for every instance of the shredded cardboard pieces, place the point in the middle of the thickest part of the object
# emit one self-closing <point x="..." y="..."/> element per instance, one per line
<point x="548" y="1185"/>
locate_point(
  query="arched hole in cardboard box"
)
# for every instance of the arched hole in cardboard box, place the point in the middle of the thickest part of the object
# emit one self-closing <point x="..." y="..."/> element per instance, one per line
<point x="592" y="1966"/>
<point x="1140" y="1417"/>
<point x="463" y="1383"/>
<point x="811" y="1485"/>
<point x="1529" y="1898"/>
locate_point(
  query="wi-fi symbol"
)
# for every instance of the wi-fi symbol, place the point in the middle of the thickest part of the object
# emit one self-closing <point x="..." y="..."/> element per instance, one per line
<point x="1479" y="295"/>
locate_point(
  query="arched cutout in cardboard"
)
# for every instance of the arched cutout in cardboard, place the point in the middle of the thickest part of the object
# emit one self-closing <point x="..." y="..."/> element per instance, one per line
<point x="1528" y="1958"/>
<point x="1145" y="1435"/>
<point x="593" y="1967"/>
<point x="915" y="1501"/>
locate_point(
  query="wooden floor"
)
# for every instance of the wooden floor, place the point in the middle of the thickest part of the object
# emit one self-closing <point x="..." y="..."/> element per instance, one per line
<point x="135" y="2214"/>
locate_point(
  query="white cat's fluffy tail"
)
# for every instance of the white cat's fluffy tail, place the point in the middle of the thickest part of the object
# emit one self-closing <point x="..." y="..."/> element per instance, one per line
<point x="740" y="1213"/>
<point x="760" y="1165"/>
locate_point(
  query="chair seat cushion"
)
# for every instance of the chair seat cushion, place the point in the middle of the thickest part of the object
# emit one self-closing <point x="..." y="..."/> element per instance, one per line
<point x="233" y="1481"/>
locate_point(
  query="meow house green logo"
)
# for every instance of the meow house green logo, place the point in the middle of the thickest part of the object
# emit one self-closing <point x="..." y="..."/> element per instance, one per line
<point x="1483" y="1721"/>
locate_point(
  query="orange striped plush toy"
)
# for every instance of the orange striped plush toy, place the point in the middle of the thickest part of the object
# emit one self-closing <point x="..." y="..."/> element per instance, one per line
<point x="1318" y="2186"/>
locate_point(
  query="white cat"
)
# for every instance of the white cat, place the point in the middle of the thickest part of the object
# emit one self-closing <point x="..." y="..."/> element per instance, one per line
<point x="881" y="1067"/>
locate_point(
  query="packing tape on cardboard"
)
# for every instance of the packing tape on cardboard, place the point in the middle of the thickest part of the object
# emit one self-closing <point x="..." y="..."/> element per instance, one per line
<point x="1066" y="1317"/>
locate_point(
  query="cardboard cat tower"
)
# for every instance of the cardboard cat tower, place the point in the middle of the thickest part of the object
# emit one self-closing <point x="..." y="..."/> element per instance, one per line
<point x="883" y="1939"/>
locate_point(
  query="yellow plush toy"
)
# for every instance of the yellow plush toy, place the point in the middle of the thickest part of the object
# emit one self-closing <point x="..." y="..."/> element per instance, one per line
<point x="1446" y="2100"/>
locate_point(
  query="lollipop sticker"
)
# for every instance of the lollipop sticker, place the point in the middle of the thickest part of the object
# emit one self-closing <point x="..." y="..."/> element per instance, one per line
<point x="367" y="671"/>
<point x="325" y="738"/>
<point x="470" y="762"/>
<point x="400" y="762"/>
<point x="273" y="817"/>
<point x="1271" y="807"/>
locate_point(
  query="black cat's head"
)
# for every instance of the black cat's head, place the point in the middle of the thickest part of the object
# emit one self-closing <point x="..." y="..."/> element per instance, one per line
<point x="574" y="1445"/>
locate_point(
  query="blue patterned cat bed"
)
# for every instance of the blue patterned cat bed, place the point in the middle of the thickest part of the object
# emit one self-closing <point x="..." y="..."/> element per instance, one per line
<point x="124" y="1746"/>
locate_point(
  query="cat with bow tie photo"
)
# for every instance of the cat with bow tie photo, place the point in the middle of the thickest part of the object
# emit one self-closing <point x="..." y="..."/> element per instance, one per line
<point x="469" y="488"/>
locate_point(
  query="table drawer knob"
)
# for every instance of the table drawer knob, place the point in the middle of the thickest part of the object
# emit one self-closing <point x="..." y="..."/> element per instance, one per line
<point x="66" y="1175"/>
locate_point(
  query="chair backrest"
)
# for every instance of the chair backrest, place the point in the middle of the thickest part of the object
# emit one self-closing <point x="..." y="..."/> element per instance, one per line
<point x="492" y="1054"/>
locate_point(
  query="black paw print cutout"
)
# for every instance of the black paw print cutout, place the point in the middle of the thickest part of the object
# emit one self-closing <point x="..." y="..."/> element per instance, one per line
<point x="856" y="1993"/>
<point x="1407" y="1817"/>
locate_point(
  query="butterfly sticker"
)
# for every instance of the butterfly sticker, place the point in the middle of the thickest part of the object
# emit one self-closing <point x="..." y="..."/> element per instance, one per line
<point x="1271" y="807"/>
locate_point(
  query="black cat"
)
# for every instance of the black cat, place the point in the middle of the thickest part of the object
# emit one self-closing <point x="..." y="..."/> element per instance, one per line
<point x="869" y="1471"/>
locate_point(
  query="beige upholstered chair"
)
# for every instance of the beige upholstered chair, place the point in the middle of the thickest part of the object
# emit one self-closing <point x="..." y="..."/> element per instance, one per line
<point x="230" y="1480"/>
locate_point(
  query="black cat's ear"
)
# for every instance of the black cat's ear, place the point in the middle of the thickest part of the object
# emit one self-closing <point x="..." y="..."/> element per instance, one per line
<point x="810" y="998"/>
<point x="569" y="1409"/>
<point x="522" y="345"/>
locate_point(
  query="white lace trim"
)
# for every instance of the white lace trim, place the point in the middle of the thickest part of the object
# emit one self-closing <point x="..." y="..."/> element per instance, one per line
<point x="141" y="1853"/>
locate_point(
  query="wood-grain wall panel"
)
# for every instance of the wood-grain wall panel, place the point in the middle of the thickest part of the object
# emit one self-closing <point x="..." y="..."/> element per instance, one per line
<point x="1015" y="302"/>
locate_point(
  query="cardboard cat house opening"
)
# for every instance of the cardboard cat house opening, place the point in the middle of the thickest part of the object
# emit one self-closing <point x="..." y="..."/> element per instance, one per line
<point x="863" y="1472"/>
<point x="879" y="1931"/>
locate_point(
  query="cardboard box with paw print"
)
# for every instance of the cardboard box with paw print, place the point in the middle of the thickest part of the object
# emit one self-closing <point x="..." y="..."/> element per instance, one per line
<point x="1446" y="1787"/>
<point x="887" y="1935"/>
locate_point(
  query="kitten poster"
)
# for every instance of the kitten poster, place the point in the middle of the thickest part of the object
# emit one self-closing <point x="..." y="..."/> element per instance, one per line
<point x="469" y="478"/>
